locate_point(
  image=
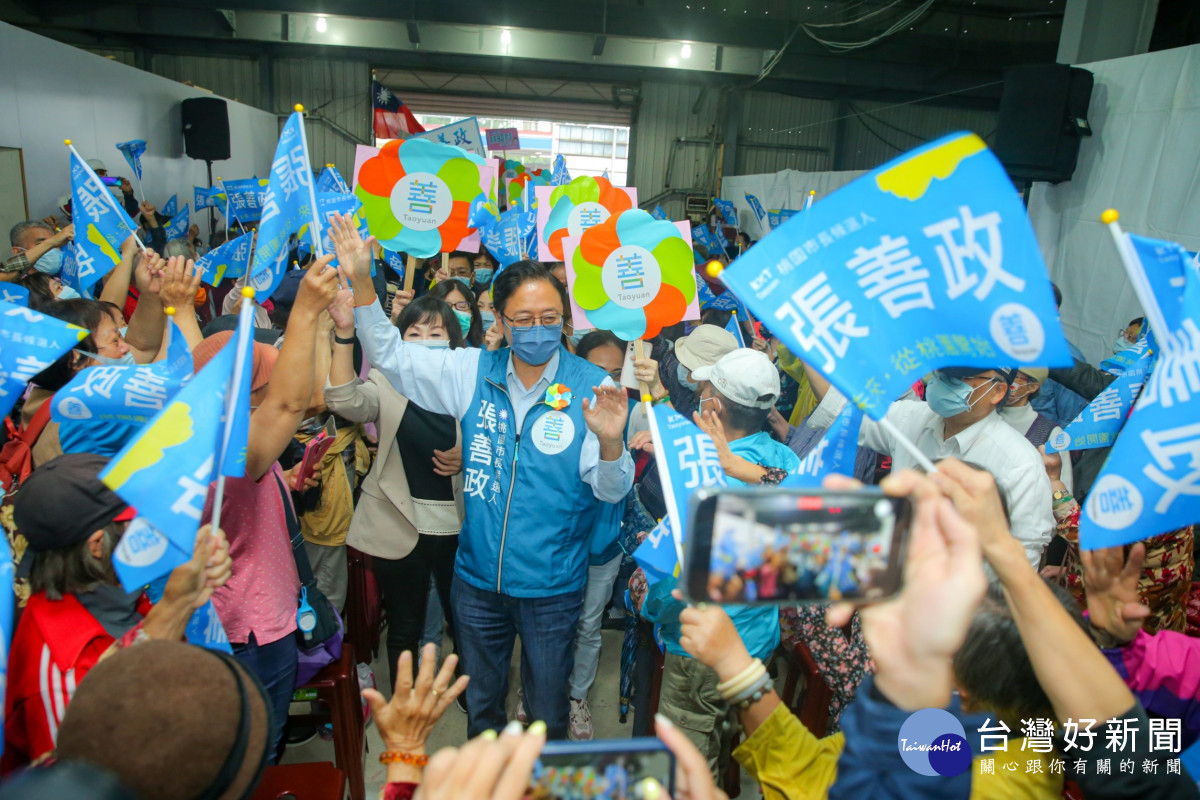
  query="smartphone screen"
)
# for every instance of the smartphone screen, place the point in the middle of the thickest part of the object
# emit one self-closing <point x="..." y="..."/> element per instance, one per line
<point x="107" y="181"/>
<point x="612" y="769"/>
<point x="795" y="545"/>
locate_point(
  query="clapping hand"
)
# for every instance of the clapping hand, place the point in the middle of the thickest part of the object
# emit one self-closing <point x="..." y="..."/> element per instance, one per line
<point x="1111" y="580"/>
<point x="607" y="416"/>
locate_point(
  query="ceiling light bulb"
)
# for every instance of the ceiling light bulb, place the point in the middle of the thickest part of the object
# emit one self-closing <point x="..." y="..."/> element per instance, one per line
<point x="321" y="24"/>
<point x="505" y="37"/>
<point x="685" y="51"/>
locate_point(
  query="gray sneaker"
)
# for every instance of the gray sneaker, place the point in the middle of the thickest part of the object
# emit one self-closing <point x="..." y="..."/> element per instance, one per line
<point x="580" y="727"/>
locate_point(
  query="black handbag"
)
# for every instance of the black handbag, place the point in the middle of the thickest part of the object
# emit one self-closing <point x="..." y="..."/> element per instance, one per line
<point x="327" y="622"/>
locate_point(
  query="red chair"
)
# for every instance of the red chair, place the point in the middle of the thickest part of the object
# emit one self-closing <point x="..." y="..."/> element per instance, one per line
<point x="337" y="690"/>
<point x="812" y="708"/>
<point x="319" y="780"/>
<point x="364" y="611"/>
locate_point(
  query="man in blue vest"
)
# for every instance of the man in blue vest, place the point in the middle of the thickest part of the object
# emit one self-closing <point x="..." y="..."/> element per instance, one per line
<point x="540" y="459"/>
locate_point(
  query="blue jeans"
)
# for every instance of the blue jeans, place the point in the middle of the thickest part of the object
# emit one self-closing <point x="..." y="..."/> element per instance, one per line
<point x="275" y="666"/>
<point x="488" y="624"/>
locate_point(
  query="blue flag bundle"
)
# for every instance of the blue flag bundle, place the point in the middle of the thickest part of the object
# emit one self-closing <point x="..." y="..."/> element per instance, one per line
<point x="928" y="261"/>
<point x="656" y="554"/>
<point x="512" y="236"/>
<point x="101" y="227"/>
<point x="171" y="207"/>
<point x="777" y="218"/>
<point x="29" y="342"/>
<point x="658" y="212"/>
<point x="166" y="470"/>
<point x="331" y="180"/>
<point x="1150" y="483"/>
<point x="177" y="228"/>
<point x="1100" y="420"/>
<point x="204" y="197"/>
<point x="328" y="204"/>
<point x="126" y="394"/>
<point x="833" y="455"/>
<point x="727" y="210"/>
<point x="132" y="150"/>
<point x="286" y="206"/>
<point x="230" y="260"/>
<point x="703" y="235"/>
<point x="733" y="327"/>
<point x="720" y="240"/>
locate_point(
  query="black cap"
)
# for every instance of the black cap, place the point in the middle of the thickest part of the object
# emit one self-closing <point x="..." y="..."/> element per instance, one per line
<point x="1007" y="374"/>
<point x="63" y="502"/>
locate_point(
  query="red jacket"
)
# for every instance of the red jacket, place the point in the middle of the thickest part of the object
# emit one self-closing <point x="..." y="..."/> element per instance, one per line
<point x="55" y="645"/>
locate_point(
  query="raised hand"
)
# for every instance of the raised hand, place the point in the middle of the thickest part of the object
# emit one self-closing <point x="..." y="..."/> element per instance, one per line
<point x="404" y="722"/>
<point x="493" y="339"/>
<point x="317" y="290"/>
<point x="342" y="310"/>
<point x="353" y="254"/>
<point x="1111" y="580"/>
<point x="181" y="281"/>
<point x="607" y="416"/>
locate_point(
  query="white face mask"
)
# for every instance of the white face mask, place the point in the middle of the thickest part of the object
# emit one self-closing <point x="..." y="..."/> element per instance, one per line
<point x="433" y="344"/>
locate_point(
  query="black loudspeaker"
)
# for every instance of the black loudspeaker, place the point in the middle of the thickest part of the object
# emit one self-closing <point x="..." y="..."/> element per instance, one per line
<point x="1043" y="116"/>
<point x="205" y="128"/>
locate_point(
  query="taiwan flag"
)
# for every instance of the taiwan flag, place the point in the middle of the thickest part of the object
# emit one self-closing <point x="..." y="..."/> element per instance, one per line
<point x="393" y="119"/>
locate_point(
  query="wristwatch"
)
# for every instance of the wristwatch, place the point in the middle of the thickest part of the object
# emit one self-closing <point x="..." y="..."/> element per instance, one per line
<point x="1061" y="494"/>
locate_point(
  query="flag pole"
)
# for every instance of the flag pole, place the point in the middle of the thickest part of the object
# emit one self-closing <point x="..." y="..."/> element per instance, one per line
<point x="244" y="331"/>
<point x="141" y="191"/>
<point x="104" y="191"/>
<point x="1137" y="276"/>
<point x="228" y="206"/>
<point x="318" y="246"/>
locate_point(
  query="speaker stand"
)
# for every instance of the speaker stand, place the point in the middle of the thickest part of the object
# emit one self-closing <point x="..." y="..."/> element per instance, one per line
<point x="212" y="232"/>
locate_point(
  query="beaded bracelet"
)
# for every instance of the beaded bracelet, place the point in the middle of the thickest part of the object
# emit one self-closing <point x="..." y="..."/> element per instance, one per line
<point x="403" y="757"/>
<point x="752" y="693"/>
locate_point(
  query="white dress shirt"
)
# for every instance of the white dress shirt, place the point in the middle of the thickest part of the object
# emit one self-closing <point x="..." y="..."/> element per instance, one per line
<point x="1021" y="418"/>
<point x="990" y="443"/>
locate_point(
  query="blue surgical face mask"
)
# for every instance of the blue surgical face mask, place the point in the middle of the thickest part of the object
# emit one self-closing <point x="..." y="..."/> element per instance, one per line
<point x="432" y="344"/>
<point x="488" y="317"/>
<point x="577" y="336"/>
<point x="104" y="361"/>
<point x="67" y="293"/>
<point x="949" y="398"/>
<point x="461" y="279"/>
<point x="536" y="344"/>
<point x="682" y="373"/>
<point x="50" y="263"/>
<point x="483" y="275"/>
<point x="1121" y="345"/>
<point x="464" y="320"/>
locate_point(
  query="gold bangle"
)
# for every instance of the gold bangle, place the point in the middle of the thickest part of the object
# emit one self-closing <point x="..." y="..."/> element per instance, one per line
<point x="403" y="757"/>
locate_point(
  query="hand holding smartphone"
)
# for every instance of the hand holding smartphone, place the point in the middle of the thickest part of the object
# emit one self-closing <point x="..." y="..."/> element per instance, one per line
<point x="613" y="769"/>
<point x="776" y="546"/>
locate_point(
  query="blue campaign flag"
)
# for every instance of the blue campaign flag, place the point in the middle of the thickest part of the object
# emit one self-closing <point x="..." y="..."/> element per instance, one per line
<point x="703" y="235"/>
<point x="833" y="455"/>
<point x="733" y="327"/>
<point x="1165" y="265"/>
<point x="165" y="471"/>
<point x="235" y="432"/>
<point x="1150" y="483"/>
<point x="720" y="240"/>
<point x="777" y="218"/>
<point x="144" y="555"/>
<point x="1100" y="420"/>
<point x="928" y="261"/>
<point x="658" y="212"/>
<point x="286" y="206"/>
<point x="126" y="394"/>
<point x="559" y="175"/>
<point x="704" y="293"/>
<point x="760" y="213"/>
<point x="328" y="204"/>
<point x="728" y="212"/>
<point x="30" y="342"/>
<point x="230" y="260"/>
<point x="132" y="150"/>
<point x="331" y="180"/>
<point x="656" y="554"/>
<point x="395" y="261"/>
<point x="687" y="460"/>
<point x="512" y="236"/>
<point x="101" y="226"/>
<point x="246" y="198"/>
<point x="204" y="628"/>
<point x="177" y="228"/>
<point x="171" y="207"/>
<point x="206" y="196"/>
<point x="1119" y="362"/>
<point x="15" y="294"/>
<point x="6" y="614"/>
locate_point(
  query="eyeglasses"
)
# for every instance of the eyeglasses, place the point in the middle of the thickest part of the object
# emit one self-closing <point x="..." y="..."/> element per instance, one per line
<point x="549" y="319"/>
<point x="461" y="305"/>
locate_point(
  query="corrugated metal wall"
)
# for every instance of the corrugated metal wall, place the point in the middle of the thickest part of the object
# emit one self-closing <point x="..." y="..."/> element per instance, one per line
<point x="234" y="78"/>
<point x="664" y="116"/>
<point x="778" y="132"/>
<point x="878" y="132"/>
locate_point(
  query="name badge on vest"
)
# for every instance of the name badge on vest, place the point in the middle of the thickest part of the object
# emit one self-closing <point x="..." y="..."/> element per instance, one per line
<point x="553" y="432"/>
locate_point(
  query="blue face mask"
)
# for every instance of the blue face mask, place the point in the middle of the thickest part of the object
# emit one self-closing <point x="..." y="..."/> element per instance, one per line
<point x="577" y="337"/>
<point x="104" y="361"/>
<point x="67" y="293"/>
<point x="464" y="320"/>
<point x="488" y="317"/>
<point x="536" y="344"/>
<point x="949" y="398"/>
<point x="432" y="344"/>
<point x="483" y="276"/>
<point x="50" y="263"/>
<point x="464" y="281"/>
<point x="682" y="373"/>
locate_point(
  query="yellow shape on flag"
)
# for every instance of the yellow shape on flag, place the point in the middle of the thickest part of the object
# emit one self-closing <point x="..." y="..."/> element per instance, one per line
<point x="97" y="238"/>
<point x="910" y="179"/>
<point x="173" y="428"/>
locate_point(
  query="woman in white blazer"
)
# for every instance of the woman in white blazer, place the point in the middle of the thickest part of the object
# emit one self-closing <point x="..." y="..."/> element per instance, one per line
<point x="411" y="508"/>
